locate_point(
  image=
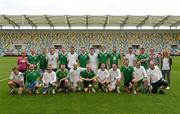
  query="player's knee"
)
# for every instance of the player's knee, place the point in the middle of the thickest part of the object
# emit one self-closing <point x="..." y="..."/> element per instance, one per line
<point x="10" y="83"/>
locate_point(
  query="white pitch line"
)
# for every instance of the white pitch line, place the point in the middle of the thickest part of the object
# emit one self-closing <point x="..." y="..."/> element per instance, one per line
<point x="4" y="79"/>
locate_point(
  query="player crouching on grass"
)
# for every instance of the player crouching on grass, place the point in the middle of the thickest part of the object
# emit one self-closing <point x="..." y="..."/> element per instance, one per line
<point x="88" y="78"/>
<point x="128" y="75"/>
<point x="102" y="78"/>
<point x="62" y="78"/>
<point x="16" y="81"/>
<point x="114" y="79"/>
<point x="32" y="76"/>
<point x="156" y="78"/>
<point x="75" y="77"/>
<point x="141" y="77"/>
<point x="49" y="81"/>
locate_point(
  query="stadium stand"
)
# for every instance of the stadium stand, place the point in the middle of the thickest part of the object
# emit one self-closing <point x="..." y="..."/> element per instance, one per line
<point x="13" y="41"/>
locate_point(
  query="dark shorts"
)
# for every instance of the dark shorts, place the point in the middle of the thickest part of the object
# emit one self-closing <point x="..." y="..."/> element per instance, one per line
<point x="86" y="83"/>
<point x="61" y="84"/>
<point x="127" y="83"/>
<point x="158" y="84"/>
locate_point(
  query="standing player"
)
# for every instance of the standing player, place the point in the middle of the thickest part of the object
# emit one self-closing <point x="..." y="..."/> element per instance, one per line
<point x="16" y="81"/>
<point x="83" y="58"/>
<point x="72" y="58"/>
<point x="63" y="57"/>
<point x="62" y="78"/>
<point x="156" y="78"/>
<point x="42" y="61"/>
<point x="93" y="59"/>
<point x="114" y="57"/>
<point x="88" y="77"/>
<point x="130" y="56"/>
<point x="102" y="56"/>
<point x="49" y="80"/>
<point x="144" y="58"/>
<point x="22" y="62"/>
<point x="52" y="59"/>
<point x="102" y="78"/>
<point x="141" y="76"/>
<point x="75" y="77"/>
<point x="114" y="79"/>
<point x="154" y="57"/>
<point x="33" y="58"/>
<point x="128" y="76"/>
<point x="31" y="77"/>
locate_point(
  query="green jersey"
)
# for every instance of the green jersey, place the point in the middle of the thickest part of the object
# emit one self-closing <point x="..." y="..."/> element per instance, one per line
<point x="83" y="60"/>
<point x="86" y="74"/>
<point x="103" y="57"/>
<point x="143" y="56"/>
<point x="114" y="58"/>
<point x="62" y="73"/>
<point x="33" y="59"/>
<point x="42" y="61"/>
<point x="127" y="73"/>
<point x="63" y="58"/>
<point x="31" y="76"/>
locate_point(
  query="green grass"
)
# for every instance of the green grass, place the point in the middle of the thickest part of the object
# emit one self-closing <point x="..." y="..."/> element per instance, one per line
<point x="94" y="103"/>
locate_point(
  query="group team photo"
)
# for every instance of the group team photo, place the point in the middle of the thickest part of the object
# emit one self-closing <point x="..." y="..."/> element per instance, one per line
<point x="52" y="71"/>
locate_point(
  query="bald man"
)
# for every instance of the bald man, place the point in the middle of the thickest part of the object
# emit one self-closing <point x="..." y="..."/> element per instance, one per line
<point x="156" y="78"/>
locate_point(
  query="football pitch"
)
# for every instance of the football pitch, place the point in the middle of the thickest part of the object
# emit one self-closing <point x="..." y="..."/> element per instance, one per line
<point x="89" y="103"/>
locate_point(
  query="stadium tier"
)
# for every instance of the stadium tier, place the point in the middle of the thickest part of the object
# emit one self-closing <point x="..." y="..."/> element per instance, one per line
<point x="13" y="41"/>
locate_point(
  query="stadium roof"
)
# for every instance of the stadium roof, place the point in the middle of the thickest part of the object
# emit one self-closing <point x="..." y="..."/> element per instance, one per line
<point x="88" y="21"/>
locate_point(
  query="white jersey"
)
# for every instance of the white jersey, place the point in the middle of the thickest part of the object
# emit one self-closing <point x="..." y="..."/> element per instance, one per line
<point x="140" y="73"/>
<point x="72" y="58"/>
<point x="17" y="78"/>
<point x="165" y="64"/>
<point x="154" y="75"/>
<point x="52" y="60"/>
<point x="113" y="75"/>
<point x="131" y="58"/>
<point x="93" y="61"/>
<point x="102" y="74"/>
<point x="49" y="77"/>
<point x="75" y="74"/>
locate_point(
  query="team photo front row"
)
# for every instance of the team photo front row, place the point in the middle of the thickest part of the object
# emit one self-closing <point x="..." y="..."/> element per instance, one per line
<point x="77" y="79"/>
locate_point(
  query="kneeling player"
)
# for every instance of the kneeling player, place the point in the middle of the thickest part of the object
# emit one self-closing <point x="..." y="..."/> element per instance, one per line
<point x="62" y="78"/>
<point x="75" y="77"/>
<point x="31" y="79"/>
<point x="114" y="79"/>
<point x="102" y="77"/>
<point x="128" y="76"/>
<point x="156" y="78"/>
<point x="16" y="81"/>
<point x="141" y="77"/>
<point x="49" y="81"/>
<point x="88" y="78"/>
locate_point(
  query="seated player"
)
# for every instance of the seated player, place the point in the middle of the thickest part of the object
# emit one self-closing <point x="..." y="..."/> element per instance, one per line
<point x="141" y="77"/>
<point x="16" y="81"/>
<point x="114" y="79"/>
<point x="62" y="78"/>
<point x="88" y="78"/>
<point x="49" y="80"/>
<point x="129" y="76"/>
<point x="156" y="78"/>
<point x="75" y="77"/>
<point x="32" y="76"/>
<point x="102" y="78"/>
